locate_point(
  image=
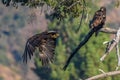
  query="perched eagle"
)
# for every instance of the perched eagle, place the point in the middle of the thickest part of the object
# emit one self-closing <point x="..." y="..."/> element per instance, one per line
<point x="98" y="20"/>
<point x="45" y="42"/>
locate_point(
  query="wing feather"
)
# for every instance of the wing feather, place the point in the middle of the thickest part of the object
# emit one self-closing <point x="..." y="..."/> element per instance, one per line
<point x="47" y="51"/>
<point x="29" y="50"/>
<point x="46" y="44"/>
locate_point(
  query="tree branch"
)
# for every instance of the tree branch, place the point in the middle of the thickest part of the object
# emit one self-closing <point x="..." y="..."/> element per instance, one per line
<point x="74" y="4"/>
<point x="118" y="56"/>
<point x="108" y="30"/>
<point x="83" y="12"/>
<point x="111" y="44"/>
<point x="109" y="48"/>
<point x="103" y="75"/>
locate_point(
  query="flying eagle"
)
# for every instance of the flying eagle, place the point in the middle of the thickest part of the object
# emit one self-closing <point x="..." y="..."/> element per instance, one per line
<point x="45" y="42"/>
<point x="98" y="20"/>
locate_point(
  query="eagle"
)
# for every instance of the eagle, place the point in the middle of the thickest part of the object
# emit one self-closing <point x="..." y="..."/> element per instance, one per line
<point x="98" y="20"/>
<point x="45" y="42"/>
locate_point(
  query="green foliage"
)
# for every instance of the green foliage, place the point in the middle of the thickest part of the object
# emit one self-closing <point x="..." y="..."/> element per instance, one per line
<point x="59" y="61"/>
<point x="62" y="9"/>
<point x="86" y="62"/>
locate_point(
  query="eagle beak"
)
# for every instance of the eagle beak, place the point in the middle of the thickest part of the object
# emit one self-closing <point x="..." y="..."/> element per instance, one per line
<point x="55" y="35"/>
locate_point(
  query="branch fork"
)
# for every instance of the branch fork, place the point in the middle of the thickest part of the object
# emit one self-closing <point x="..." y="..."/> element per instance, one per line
<point x="110" y="45"/>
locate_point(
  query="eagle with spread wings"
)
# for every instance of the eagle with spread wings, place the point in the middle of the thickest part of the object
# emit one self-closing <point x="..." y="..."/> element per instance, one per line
<point x="45" y="42"/>
<point x="98" y="20"/>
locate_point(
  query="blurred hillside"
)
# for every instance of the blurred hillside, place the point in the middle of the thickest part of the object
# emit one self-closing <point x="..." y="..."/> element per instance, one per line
<point x="17" y="25"/>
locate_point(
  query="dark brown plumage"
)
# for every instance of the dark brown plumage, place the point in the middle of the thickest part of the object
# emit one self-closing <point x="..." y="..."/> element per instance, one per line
<point x="45" y="42"/>
<point x="98" y="20"/>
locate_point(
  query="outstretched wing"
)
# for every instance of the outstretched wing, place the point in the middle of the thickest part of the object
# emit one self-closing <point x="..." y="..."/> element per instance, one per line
<point x="29" y="50"/>
<point x="46" y="42"/>
<point x="47" y="50"/>
<point x="30" y="47"/>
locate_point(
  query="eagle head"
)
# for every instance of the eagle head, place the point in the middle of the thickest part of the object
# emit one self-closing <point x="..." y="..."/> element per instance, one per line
<point x="53" y="34"/>
<point x="103" y="9"/>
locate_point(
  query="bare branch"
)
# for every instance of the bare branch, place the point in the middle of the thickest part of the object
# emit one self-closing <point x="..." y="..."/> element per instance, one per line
<point x="77" y="2"/>
<point x="109" y="48"/>
<point x="103" y="75"/>
<point x="83" y="12"/>
<point x="108" y="30"/>
<point x="117" y="50"/>
<point x="118" y="56"/>
<point x="102" y="71"/>
<point x="111" y="44"/>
